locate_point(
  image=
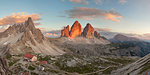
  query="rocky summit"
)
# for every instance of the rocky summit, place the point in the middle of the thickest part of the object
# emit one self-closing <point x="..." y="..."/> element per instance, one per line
<point x="76" y="30"/>
<point x="26" y="37"/>
<point x="88" y="31"/>
<point x="65" y="32"/>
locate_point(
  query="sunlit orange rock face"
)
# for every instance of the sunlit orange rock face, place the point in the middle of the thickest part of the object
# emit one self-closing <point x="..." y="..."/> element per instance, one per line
<point x="76" y="30"/>
<point x="65" y="32"/>
<point x="88" y="31"/>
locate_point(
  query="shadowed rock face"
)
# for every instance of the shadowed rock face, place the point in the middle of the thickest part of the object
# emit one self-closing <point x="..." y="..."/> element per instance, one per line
<point x="97" y="35"/>
<point x="3" y="67"/>
<point x="88" y="31"/>
<point x="76" y="30"/>
<point x="31" y="31"/>
<point x="65" y="32"/>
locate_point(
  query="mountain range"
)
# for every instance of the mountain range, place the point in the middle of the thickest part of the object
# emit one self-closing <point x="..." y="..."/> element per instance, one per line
<point x="86" y="47"/>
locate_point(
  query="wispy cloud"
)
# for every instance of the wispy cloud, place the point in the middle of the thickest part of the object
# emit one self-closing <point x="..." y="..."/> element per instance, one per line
<point x="51" y="34"/>
<point x="103" y="29"/>
<point x="18" y="18"/>
<point x="93" y="13"/>
<point x="84" y="2"/>
<point x="80" y="1"/>
<point x="122" y="1"/>
<point x="98" y="1"/>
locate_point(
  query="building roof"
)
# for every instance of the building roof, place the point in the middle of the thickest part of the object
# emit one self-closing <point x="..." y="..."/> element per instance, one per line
<point x="27" y="55"/>
<point x="43" y="62"/>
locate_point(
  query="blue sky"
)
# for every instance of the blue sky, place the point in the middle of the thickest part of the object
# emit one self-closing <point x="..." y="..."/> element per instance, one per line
<point x="135" y="14"/>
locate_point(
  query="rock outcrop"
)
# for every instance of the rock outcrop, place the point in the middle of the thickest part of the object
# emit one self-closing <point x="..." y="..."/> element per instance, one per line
<point x="88" y="31"/>
<point x="97" y="35"/>
<point x="3" y="67"/>
<point x="30" y="31"/>
<point x="27" y="29"/>
<point x="26" y="37"/>
<point x="65" y="32"/>
<point x="76" y="30"/>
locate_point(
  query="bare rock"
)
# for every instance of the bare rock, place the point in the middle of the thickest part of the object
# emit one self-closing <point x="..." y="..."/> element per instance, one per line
<point x="76" y="30"/>
<point x="97" y="35"/>
<point x="65" y="32"/>
<point x="88" y="31"/>
<point x="3" y="67"/>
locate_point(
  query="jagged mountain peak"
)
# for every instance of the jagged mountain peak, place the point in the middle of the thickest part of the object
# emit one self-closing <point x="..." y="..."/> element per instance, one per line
<point x="65" y="31"/>
<point x="25" y="37"/>
<point x="29" y="24"/>
<point x="76" y="30"/>
<point x="88" y="31"/>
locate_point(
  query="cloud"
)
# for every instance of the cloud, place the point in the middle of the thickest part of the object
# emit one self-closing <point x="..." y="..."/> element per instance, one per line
<point x="18" y="18"/>
<point x="98" y="1"/>
<point x="122" y="1"/>
<point x="80" y="1"/>
<point x="112" y="15"/>
<point x="63" y="0"/>
<point x="102" y="29"/>
<point x="3" y="28"/>
<point x="92" y="13"/>
<point x="145" y="36"/>
<point x="51" y="34"/>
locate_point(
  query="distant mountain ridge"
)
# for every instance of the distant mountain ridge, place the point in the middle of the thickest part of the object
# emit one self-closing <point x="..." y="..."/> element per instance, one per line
<point x="136" y="47"/>
<point x="123" y="38"/>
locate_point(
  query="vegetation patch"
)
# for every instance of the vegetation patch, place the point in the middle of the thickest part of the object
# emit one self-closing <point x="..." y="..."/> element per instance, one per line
<point x="109" y="70"/>
<point x="33" y="73"/>
<point x="13" y="62"/>
<point x="31" y="68"/>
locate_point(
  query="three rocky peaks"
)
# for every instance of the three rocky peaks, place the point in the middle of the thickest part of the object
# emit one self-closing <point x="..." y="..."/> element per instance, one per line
<point x="76" y="30"/>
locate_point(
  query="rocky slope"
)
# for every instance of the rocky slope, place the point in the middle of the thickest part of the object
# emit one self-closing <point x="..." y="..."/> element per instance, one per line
<point x="140" y="67"/>
<point x="4" y="69"/>
<point x="26" y="38"/>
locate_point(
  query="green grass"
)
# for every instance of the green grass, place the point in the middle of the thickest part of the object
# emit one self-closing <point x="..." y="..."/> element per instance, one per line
<point x="120" y="60"/>
<point x="8" y="56"/>
<point x="108" y="70"/>
<point x="52" y="71"/>
<point x="13" y="62"/>
<point x="78" y="68"/>
<point x="40" y="58"/>
<point x="32" y="73"/>
<point x="31" y="68"/>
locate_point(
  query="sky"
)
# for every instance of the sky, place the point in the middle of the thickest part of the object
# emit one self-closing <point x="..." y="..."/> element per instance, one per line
<point x="125" y="16"/>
